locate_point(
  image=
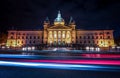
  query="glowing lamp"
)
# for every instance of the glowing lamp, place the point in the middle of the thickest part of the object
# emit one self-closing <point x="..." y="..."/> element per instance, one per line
<point x="118" y="47"/>
<point x="33" y="48"/>
<point x="97" y="49"/>
<point x="87" y="48"/>
<point x="3" y="47"/>
<point x="29" y="48"/>
<point x="113" y="47"/>
<point x="92" y="48"/>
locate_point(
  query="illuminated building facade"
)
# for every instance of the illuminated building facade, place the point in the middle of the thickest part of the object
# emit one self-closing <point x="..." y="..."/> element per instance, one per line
<point x="60" y="34"/>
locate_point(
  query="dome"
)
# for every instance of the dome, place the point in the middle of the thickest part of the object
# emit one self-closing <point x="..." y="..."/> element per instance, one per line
<point x="59" y="19"/>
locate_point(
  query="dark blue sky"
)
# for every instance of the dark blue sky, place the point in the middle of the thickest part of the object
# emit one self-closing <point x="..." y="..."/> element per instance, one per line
<point x="88" y="14"/>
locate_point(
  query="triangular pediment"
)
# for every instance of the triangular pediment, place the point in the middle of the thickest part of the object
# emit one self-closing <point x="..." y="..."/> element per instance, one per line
<point x="59" y="27"/>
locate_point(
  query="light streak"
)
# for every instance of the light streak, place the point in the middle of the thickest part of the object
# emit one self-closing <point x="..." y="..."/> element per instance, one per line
<point x="54" y="65"/>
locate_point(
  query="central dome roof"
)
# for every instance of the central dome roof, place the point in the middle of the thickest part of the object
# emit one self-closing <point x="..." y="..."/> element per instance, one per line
<point x="59" y="19"/>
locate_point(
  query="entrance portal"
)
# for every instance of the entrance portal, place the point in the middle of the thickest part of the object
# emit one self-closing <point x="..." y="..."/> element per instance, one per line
<point x="59" y="38"/>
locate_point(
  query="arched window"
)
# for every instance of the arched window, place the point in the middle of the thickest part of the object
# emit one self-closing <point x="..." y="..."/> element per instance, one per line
<point x="63" y="34"/>
<point x="55" y="34"/>
<point x="59" y="34"/>
<point x="109" y="42"/>
<point x="50" y="34"/>
<point x="68" y="34"/>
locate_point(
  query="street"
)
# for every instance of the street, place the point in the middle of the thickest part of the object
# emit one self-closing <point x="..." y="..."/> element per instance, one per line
<point x="83" y="65"/>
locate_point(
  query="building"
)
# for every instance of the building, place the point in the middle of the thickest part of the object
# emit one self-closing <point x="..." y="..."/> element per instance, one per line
<point x="60" y="34"/>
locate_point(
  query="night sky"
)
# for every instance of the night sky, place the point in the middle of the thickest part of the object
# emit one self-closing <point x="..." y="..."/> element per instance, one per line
<point x="88" y="14"/>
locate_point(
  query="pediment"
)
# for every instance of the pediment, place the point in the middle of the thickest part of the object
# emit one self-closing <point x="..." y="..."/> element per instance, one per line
<point x="59" y="27"/>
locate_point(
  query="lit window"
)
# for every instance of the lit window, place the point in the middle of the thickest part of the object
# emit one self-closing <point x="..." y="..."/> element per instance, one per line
<point x="63" y="35"/>
<point x="50" y="34"/>
<point x="55" y="34"/>
<point x="109" y="42"/>
<point x="59" y="34"/>
<point x="50" y="41"/>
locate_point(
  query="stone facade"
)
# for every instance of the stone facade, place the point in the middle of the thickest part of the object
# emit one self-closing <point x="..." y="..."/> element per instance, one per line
<point x="60" y="34"/>
<point x="24" y="38"/>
